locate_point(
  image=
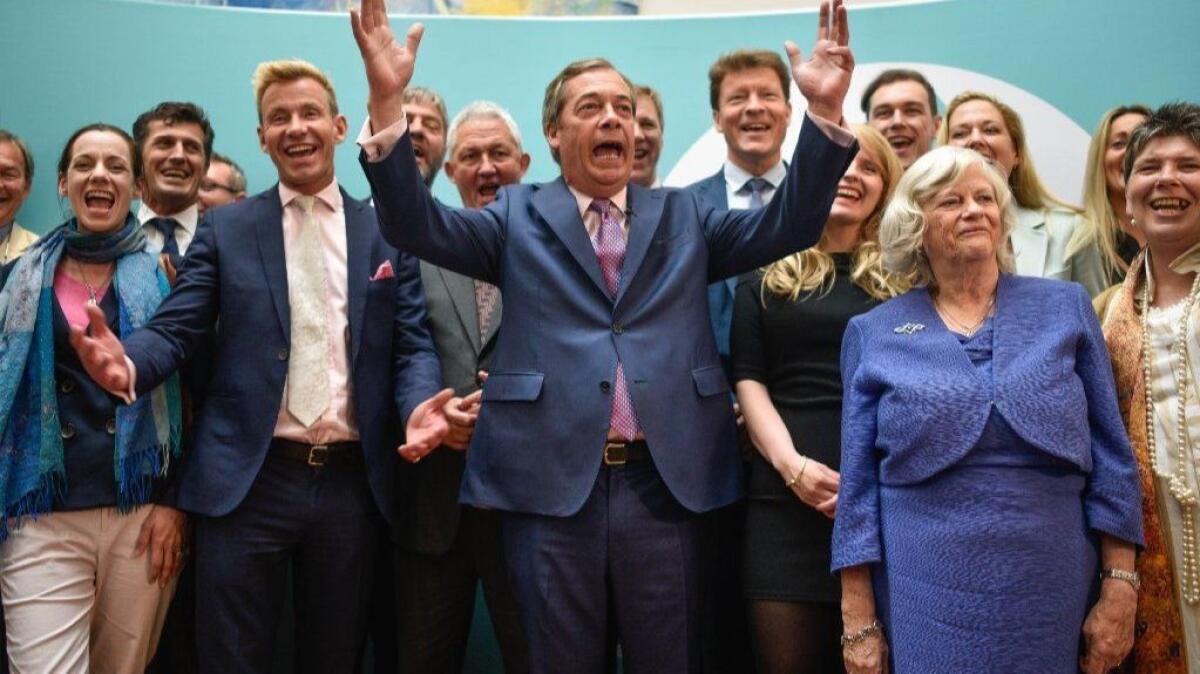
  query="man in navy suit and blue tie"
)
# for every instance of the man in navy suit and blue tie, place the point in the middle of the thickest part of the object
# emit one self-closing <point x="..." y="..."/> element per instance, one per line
<point x="321" y="360"/>
<point x="606" y="426"/>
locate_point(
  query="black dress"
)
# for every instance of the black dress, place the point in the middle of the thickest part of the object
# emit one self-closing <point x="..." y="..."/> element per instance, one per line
<point x="794" y="349"/>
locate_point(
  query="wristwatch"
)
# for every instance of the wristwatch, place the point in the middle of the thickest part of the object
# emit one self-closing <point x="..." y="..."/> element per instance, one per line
<point x="1131" y="577"/>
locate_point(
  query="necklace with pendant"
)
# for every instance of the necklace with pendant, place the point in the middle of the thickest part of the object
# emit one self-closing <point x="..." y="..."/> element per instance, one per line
<point x="91" y="289"/>
<point x="1177" y="482"/>
<point x="963" y="328"/>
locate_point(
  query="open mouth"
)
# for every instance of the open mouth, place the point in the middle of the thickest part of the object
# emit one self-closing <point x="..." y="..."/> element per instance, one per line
<point x="1169" y="205"/>
<point x="640" y="152"/>
<point x="852" y="193"/>
<point x="418" y="151"/>
<point x="175" y="174"/>
<point x="755" y="127"/>
<point x="301" y="150"/>
<point x="102" y="200"/>
<point x="488" y="191"/>
<point x="900" y="142"/>
<point x="611" y="151"/>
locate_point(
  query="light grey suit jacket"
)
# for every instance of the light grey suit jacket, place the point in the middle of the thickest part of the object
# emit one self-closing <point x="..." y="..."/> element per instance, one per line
<point x="1040" y="246"/>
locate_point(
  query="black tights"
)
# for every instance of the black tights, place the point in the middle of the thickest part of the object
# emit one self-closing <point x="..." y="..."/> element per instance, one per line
<point x="792" y="637"/>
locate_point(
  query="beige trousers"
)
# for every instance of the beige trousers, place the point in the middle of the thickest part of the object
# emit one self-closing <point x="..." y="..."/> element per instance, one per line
<point x="75" y="597"/>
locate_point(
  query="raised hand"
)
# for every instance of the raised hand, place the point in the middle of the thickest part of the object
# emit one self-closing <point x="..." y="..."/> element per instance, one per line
<point x="101" y="352"/>
<point x="389" y="66"/>
<point x="824" y="78"/>
<point x="426" y="427"/>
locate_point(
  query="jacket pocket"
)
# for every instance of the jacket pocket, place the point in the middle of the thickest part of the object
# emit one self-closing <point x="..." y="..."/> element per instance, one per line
<point x="710" y="380"/>
<point x="515" y="386"/>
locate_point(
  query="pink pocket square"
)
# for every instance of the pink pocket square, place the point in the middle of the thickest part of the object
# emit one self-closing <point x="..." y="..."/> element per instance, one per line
<point x="384" y="271"/>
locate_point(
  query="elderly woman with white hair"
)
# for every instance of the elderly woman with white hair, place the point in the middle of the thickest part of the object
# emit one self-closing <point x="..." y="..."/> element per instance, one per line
<point x="989" y="502"/>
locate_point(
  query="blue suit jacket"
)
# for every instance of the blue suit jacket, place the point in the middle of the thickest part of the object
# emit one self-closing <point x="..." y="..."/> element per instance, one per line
<point x="234" y="271"/>
<point x="720" y="293"/>
<point x="537" y="444"/>
<point x="915" y="404"/>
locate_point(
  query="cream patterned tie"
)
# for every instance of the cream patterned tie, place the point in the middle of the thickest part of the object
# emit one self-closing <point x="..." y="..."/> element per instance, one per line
<point x="308" y="365"/>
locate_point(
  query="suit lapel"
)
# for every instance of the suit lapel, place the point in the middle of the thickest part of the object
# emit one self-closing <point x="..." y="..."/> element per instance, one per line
<point x="462" y="295"/>
<point x="557" y="206"/>
<point x="1030" y="241"/>
<point x="268" y="219"/>
<point x="360" y="233"/>
<point x="645" y="208"/>
<point x="714" y="189"/>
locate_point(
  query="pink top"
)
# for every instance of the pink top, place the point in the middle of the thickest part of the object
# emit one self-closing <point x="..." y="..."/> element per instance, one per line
<point x="73" y="297"/>
<point x="337" y="423"/>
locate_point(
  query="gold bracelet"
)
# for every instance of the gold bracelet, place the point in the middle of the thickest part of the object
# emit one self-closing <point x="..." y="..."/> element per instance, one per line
<point x="849" y="640"/>
<point x="799" y="474"/>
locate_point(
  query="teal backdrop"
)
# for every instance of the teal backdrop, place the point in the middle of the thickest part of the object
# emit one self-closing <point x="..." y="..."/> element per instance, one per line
<point x="71" y="62"/>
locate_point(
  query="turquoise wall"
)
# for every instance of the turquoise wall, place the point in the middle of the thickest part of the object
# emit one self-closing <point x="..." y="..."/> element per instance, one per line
<point x="70" y="62"/>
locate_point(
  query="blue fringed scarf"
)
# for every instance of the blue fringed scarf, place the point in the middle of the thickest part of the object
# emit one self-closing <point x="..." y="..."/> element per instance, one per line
<point x="31" y="450"/>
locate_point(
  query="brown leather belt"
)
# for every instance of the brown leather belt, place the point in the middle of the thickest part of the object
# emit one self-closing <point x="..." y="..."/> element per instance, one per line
<point x="318" y="455"/>
<point x="621" y="453"/>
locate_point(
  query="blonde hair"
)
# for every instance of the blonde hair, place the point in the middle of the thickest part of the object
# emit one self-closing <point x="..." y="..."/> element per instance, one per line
<point x="289" y="70"/>
<point x="1101" y="224"/>
<point x="902" y="231"/>
<point x="813" y="269"/>
<point x="1027" y="188"/>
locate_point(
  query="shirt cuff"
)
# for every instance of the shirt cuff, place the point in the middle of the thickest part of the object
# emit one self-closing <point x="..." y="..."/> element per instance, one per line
<point x="130" y="395"/>
<point x="838" y="133"/>
<point x="378" y="146"/>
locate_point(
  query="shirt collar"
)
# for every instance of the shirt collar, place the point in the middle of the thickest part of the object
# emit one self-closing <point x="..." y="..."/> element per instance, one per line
<point x="330" y="195"/>
<point x="187" y="218"/>
<point x="736" y="176"/>
<point x="618" y="200"/>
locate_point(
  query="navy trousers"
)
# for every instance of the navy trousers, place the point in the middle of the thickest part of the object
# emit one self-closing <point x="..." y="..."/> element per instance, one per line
<point x="325" y="522"/>
<point x="628" y="561"/>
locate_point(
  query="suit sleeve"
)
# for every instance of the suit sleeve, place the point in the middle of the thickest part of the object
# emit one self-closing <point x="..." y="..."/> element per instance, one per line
<point x="856" y="526"/>
<point x="1112" y="500"/>
<point x="417" y="370"/>
<point x="462" y="240"/>
<point x="184" y="319"/>
<point x="742" y="240"/>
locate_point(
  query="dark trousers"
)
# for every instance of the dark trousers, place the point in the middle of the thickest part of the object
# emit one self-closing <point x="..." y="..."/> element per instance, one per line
<point x="435" y="599"/>
<point x="726" y="631"/>
<point x="630" y="558"/>
<point x="325" y="522"/>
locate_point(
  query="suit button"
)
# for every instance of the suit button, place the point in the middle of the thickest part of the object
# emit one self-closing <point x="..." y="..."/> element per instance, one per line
<point x="67" y="432"/>
<point x="1175" y="650"/>
<point x="605" y="387"/>
<point x="67" y="385"/>
<point x="617" y="328"/>
<point x="111" y="426"/>
<point x="283" y="354"/>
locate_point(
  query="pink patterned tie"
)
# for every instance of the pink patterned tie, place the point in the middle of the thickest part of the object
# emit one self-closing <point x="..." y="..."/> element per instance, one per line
<point x="485" y="304"/>
<point x="609" y="243"/>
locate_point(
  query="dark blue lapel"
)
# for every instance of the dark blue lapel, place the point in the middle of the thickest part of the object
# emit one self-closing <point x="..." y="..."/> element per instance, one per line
<point x="645" y="208"/>
<point x="268" y="223"/>
<point x="361" y="230"/>
<point x="557" y="206"/>
<point x="712" y="189"/>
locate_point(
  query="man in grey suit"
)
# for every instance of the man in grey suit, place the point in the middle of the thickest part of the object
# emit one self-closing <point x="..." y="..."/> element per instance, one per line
<point x="444" y="549"/>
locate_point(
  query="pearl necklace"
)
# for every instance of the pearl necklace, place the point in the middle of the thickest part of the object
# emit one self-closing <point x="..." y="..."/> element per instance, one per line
<point x="1177" y="483"/>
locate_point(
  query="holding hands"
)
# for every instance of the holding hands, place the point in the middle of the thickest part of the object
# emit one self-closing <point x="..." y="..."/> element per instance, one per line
<point x="824" y="78"/>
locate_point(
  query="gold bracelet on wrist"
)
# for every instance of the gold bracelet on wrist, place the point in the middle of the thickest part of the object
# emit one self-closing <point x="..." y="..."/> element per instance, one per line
<point x="799" y="474"/>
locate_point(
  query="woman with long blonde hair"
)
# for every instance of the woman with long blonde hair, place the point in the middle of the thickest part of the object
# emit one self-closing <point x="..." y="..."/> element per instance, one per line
<point x="1107" y="224"/>
<point x="786" y="338"/>
<point x="1046" y="225"/>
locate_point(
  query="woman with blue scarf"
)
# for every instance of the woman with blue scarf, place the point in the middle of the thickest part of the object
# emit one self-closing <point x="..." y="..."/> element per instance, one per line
<point x="89" y="546"/>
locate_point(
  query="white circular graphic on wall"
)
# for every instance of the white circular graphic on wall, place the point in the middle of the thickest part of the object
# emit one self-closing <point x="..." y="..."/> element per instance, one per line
<point x="1057" y="143"/>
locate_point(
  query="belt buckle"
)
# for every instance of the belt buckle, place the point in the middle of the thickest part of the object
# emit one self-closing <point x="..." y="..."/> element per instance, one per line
<point x="616" y="453"/>
<point x="318" y="455"/>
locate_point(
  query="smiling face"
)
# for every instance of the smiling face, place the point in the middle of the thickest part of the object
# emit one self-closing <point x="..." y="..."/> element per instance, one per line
<point x="1114" y="150"/>
<point x="486" y="158"/>
<point x="1163" y="194"/>
<point x="594" y="133"/>
<point x="978" y="125"/>
<point x="172" y="165"/>
<point x="428" y="132"/>
<point x="859" y="190"/>
<point x="753" y="115"/>
<point x="647" y="142"/>
<point x="98" y="181"/>
<point x="900" y="111"/>
<point x="300" y="132"/>
<point x="14" y="184"/>
<point x="962" y="222"/>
